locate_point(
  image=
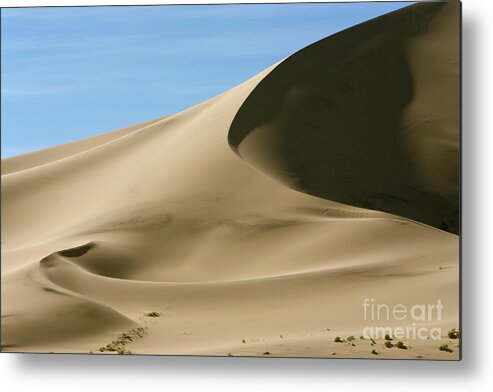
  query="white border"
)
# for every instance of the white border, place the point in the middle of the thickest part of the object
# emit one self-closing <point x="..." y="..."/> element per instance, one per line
<point x="33" y="373"/>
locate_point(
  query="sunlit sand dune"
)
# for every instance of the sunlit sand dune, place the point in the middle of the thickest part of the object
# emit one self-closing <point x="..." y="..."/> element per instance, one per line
<point x="258" y="222"/>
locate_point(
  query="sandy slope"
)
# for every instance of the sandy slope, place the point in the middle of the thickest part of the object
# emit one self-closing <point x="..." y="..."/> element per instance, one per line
<point x="377" y="107"/>
<point x="165" y="217"/>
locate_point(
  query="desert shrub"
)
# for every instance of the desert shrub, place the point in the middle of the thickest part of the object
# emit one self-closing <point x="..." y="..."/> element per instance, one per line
<point x="401" y="345"/>
<point x="387" y="337"/>
<point x="152" y="314"/>
<point x="453" y="333"/>
<point x="338" y="339"/>
<point x="374" y="352"/>
<point x="118" y="345"/>
<point x="351" y="338"/>
<point x="388" y="344"/>
<point x="445" y="347"/>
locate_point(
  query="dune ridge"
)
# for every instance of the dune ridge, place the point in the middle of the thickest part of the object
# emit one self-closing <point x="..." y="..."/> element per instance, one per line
<point x="161" y="226"/>
<point x="382" y="125"/>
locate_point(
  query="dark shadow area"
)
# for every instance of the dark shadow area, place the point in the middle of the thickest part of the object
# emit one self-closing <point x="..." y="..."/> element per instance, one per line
<point x="366" y="117"/>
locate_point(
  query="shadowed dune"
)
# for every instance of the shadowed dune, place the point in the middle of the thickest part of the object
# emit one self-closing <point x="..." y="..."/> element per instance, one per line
<point x="164" y="219"/>
<point x="367" y="117"/>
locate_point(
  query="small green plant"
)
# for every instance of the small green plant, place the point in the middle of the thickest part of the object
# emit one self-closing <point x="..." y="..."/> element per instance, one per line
<point x="243" y="341"/>
<point x="266" y="353"/>
<point x="445" y="347"/>
<point x="373" y="342"/>
<point x="388" y="344"/>
<point x="387" y="337"/>
<point x="351" y="338"/>
<point x="453" y="333"/>
<point x="374" y="352"/>
<point x="362" y="337"/>
<point x="401" y="345"/>
<point x="152" y="314"/>
<point x="338" y="339"/>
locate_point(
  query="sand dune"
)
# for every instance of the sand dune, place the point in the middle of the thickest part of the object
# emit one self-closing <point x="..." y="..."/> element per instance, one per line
<point x="161" y="237"/>
<point x="379" y="116"/>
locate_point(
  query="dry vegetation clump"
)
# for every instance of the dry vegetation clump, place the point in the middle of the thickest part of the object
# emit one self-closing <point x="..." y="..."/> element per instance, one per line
<point x="118" y="345"/>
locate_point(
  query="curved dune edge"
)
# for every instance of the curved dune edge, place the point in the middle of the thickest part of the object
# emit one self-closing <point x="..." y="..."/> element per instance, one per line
<point x="163" y="218"/>
<point x="45" y="156"/>
<point x="379" y="130"/>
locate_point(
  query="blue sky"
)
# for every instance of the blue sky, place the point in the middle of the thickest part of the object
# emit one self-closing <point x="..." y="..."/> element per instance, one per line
<point x="72" y="72"/>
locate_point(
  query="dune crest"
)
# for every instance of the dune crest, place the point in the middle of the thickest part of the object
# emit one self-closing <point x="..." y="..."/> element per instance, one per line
<point x="162" y="227"/>
<point x="367" y="117"/>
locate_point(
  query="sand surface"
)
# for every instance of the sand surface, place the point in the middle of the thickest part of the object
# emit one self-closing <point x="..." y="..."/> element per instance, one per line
<point x="257" y="222"/>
